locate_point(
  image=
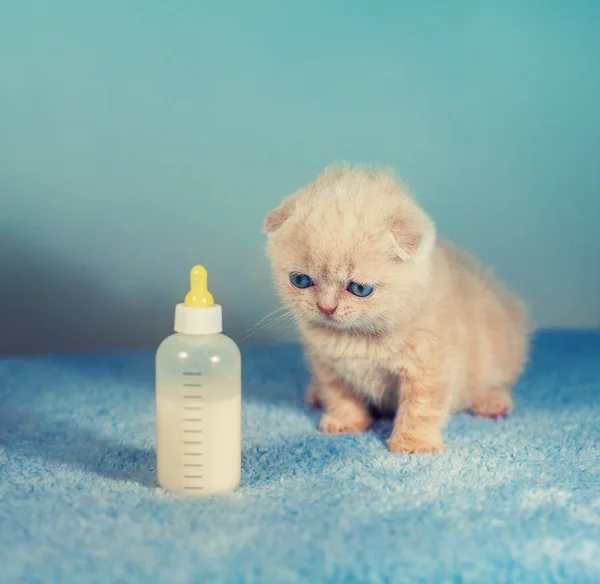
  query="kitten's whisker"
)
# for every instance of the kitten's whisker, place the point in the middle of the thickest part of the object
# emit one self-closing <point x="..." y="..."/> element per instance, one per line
<point x="266" y="317"/>
<point x="266" y="323"/>
<point x="279" y="325"/>
<point x="281" y="320"/>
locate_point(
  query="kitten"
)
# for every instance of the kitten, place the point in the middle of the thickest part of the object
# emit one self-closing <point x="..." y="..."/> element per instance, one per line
<point x="391" y="316"/>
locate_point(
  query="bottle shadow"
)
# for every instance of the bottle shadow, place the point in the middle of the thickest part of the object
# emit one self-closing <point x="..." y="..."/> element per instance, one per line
<point x="57" y="441"/>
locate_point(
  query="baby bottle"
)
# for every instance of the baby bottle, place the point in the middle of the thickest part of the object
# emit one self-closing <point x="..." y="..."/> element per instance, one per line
<point x="198" y="399"/>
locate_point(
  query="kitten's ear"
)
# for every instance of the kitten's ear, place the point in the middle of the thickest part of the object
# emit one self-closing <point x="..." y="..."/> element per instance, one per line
<point x="407" y="238"/>
<point x="275" y="219"/>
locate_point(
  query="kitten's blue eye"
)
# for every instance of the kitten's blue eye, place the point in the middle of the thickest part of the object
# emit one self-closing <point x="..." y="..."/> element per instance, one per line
<point x="360" y="290"/>
<point x="301" y="281"/>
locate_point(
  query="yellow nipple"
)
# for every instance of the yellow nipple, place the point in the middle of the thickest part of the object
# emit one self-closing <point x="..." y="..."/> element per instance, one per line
<point x="199" y="296"/>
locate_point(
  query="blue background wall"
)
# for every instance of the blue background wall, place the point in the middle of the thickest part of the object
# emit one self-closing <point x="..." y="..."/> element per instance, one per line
<point x="137" y="138"/>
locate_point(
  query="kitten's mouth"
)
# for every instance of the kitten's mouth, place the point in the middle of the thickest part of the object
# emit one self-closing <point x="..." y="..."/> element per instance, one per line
<point x="329" y="321"/>
<point x="349" y="327"/>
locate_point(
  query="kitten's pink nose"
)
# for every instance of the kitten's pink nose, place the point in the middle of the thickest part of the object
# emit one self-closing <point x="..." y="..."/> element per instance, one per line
<point x="327" y="310"/>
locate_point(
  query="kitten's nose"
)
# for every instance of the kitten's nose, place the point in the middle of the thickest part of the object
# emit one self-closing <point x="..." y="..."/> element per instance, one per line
<point x="327" y="310"/>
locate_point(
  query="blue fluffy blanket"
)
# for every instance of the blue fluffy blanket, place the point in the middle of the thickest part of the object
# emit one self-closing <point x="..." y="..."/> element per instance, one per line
<point x="515" y="500"/>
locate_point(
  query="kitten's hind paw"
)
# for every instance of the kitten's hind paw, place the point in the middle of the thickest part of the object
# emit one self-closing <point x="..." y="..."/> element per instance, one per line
<point x="312" y="397"/>
<point x="332" y="425"/>
<point x="494" y="404"/>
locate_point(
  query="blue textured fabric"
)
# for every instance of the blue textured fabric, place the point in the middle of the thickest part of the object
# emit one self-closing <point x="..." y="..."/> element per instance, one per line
<point x="515" y="500"/>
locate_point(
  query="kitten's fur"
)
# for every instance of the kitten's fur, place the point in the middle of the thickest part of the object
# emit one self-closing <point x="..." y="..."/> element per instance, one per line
<point x="438" y="334"/>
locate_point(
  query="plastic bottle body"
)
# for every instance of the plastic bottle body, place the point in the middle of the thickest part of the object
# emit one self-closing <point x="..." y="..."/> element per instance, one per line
<point x="198" y="414"/>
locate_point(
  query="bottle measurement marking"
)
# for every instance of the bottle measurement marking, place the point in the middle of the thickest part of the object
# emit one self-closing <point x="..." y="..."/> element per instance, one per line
<point x="192" y="402"/>
<point x="191" y="432"/>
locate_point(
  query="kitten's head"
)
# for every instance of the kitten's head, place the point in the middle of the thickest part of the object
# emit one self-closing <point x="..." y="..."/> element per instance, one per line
<point x="351" y="252"/>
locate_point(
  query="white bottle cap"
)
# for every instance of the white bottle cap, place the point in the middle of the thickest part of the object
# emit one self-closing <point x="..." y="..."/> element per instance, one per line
<point x="198" y="314"/>
<point x="190" y="320"/>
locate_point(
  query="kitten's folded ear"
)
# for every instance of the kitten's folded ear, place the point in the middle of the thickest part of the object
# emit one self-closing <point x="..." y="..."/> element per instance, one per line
<point x="410" y="237"/>
<point x="275" y="219"/>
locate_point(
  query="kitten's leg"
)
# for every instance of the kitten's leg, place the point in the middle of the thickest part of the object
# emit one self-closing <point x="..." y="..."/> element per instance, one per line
<point x="344" y="413"/>
<point x="492" y="404"/>
<point x="422" y="413"/>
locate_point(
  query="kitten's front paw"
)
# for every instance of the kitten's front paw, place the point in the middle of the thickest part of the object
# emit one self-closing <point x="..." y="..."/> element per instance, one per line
<point x="332" y="425"/>
<point x="414" y="445"/>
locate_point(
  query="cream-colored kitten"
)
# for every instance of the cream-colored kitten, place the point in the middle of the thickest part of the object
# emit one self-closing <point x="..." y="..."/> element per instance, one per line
<point x="392" y="317"/>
